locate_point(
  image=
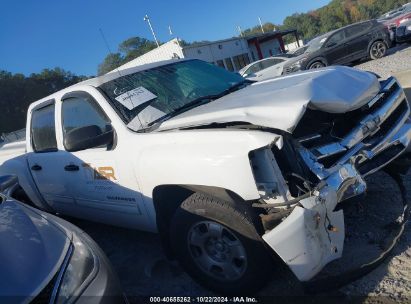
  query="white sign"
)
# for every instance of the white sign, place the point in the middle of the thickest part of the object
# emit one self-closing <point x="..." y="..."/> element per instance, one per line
<point x="135" y="97"/>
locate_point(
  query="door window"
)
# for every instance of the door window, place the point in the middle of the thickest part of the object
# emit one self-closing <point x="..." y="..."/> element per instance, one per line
<point x="254" y="68"/>
<point x="356" y="29"/>
<point x="270" y="62"/>
<point x="43" y="132"/>
<point x="81" y="111"/>
<point x="336" y="38"/>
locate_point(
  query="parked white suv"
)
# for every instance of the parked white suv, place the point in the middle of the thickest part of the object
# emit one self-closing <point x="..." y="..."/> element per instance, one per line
<point x="227" y="171"/>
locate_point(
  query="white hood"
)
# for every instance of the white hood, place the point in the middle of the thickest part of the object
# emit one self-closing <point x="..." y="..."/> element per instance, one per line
<point x="280" y="103"/>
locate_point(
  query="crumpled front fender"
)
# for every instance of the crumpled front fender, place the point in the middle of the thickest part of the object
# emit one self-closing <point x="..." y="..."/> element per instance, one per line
<point x="313" y="234"/>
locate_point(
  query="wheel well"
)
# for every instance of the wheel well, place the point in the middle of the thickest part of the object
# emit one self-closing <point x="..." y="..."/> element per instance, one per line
<point x="167" y="198"/>
<point x="318" y="59"/>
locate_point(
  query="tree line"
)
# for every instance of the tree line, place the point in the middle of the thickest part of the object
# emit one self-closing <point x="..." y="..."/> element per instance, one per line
<point x="18" y="91"/>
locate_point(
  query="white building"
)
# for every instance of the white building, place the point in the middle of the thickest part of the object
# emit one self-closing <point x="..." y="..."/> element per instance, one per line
<point x="231" y="54"/>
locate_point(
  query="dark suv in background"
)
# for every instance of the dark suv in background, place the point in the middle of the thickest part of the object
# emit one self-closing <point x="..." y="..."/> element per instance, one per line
<point x="369" y="39"/>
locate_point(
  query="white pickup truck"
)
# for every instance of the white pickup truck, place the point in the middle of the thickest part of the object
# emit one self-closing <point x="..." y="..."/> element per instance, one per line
<point x="230" y="173"/>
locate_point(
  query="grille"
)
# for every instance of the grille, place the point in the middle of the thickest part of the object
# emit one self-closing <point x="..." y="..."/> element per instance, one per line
<point x="369" y="133"/>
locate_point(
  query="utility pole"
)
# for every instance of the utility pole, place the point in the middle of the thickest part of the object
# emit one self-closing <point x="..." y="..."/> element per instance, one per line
<point x="240" y="31"/>
<point x="261" y="24"/>
<point x="146" y="18"/>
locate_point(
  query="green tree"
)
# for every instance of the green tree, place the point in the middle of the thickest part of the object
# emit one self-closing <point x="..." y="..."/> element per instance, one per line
<point x="127" y="50"/>
<point x="18" y="91"/>
<point x="109" y="63"/>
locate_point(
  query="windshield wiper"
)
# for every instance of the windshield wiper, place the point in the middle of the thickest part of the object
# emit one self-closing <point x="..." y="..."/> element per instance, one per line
<point x="200" y="101"/>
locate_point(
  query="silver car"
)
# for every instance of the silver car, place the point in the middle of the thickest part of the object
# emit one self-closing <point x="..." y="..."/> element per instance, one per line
<point x="44" y="259"/>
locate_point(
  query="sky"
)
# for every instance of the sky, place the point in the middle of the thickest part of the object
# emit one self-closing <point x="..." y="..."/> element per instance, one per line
<point x="38" y="34"/>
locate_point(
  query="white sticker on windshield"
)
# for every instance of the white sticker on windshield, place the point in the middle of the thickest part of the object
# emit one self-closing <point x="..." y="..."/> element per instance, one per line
<point x="135" y="97"/>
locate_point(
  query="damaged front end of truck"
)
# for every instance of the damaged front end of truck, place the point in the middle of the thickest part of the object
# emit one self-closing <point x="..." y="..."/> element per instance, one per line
<point x="320" y="164"/>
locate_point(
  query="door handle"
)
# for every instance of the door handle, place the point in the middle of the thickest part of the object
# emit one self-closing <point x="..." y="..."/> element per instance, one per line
<point x="71" y="168"/>
<point x="36" y="167"/>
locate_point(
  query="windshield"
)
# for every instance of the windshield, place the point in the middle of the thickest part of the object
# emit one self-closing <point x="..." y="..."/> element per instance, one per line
<point x="150" y="95"/>
<point x="316" y="43"/>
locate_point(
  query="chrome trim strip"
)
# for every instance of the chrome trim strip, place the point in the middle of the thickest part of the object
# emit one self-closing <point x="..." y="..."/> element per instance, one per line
<point x="329" y="150"/>
<point x="370" y="124"/>
<point x="63" y="267"/>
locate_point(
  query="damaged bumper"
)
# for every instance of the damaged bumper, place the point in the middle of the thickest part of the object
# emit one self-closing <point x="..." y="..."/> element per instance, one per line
<point x="313" y="234"/>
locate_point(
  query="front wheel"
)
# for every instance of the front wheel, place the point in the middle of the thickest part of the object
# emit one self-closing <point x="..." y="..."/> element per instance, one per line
<point x="378" y="50"/>
<point x="316" y="65"/>
<point x="218" y="245"/>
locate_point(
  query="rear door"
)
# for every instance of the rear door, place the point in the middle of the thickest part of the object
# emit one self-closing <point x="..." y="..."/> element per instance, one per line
<point x="45" y="159"/>
<point x="357" y="39"/>
<point x="104" y="185"/>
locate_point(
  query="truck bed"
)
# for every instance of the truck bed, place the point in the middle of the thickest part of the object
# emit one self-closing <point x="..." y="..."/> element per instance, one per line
<point x="11" y="150"/>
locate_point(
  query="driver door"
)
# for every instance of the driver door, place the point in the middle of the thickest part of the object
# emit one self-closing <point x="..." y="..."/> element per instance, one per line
<point x="103" y="185"/>
<point x="336" y="50"/>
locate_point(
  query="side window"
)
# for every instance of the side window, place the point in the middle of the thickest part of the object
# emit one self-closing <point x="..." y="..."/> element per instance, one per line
<point x="270" y="62"/>
<point x="43" y="131"/>
<point x="336" y="38"/>
<point x="254" y="68"/>
<point x="356" y="29"/>
<point x="82" y="111"/>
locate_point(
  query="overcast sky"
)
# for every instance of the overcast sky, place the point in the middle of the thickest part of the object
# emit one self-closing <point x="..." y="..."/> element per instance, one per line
<point x="62" y="33"/>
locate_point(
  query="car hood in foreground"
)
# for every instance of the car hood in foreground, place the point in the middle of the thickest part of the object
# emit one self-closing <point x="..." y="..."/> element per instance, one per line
<point x="31" y="250"/>
<point x="281" y="102"/>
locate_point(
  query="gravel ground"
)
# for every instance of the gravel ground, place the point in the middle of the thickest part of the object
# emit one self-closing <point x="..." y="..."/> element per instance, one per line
<point x="398" y="59"/>
<point x="144" y="270"/>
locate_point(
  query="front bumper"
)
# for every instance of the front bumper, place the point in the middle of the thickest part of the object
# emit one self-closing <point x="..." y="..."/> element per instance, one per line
<point x="313" y="234"/>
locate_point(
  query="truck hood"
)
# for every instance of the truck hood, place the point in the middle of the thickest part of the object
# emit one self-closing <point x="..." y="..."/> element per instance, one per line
<point x="31" y="250"/>
<point x="280" y="103"/>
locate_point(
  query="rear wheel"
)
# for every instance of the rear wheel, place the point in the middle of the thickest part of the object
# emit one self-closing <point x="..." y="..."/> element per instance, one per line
<point x="378" y="50"/>
<point x="316" y="65"/>
<point x="217" y="243"/>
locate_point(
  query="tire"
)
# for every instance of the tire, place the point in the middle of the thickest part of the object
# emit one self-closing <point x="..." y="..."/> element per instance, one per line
<point x="378" y="49"/>
<point x="217" y="244"/>
<point x="316" y="65"/>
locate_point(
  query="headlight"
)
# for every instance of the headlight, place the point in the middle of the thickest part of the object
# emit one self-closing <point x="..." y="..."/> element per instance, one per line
<point x="409" y="28"/>
<point x="76" y="272"/>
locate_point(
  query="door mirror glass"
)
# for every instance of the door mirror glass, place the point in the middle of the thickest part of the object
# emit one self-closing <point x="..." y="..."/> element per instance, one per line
<point x="88" y="137"/>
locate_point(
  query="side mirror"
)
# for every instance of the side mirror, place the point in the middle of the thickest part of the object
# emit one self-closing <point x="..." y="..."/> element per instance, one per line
<point x="88" y="137"/>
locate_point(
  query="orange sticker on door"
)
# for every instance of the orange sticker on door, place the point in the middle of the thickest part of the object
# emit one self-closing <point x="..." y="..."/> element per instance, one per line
<point x="100" y="173"/>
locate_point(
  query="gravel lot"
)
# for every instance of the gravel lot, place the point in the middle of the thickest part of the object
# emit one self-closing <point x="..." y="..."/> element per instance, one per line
<point x="144" y="271"/>
<point x="398" y="59"/>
